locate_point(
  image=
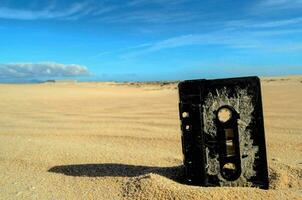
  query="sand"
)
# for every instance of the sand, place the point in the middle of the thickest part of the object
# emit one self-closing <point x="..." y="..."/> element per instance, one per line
<point x="122" y="141"/>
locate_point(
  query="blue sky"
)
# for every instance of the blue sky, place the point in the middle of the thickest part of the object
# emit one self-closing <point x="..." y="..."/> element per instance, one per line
<point x="143" y="40"/>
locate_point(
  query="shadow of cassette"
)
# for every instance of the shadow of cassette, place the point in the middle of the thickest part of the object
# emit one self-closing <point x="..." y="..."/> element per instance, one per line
<point x="118" y="170"/>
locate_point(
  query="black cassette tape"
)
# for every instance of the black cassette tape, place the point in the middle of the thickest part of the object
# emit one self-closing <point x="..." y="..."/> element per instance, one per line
<point x="222" y="129"/>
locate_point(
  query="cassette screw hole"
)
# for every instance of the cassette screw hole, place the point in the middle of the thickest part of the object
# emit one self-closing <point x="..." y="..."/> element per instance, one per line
<point x="188" y="127"/>
<point x="224" y="115"/>
<point x="185" y="115"/>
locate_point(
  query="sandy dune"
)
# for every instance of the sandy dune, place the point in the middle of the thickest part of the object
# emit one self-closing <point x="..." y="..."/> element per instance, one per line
<point x="115" y="141"/>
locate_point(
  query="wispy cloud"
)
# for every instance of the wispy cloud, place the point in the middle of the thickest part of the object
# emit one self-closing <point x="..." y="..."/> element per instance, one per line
<point x="161" y="2"/>
<point x="108" y="12"/>
<point x="287" y="47"/>
<point x="149" y="16"/>
<point x="40" y="70"/>
<point x="48" y="13"/>
<point x="273" y="3"/>
<point x="277" y="5"/>
<point x="121" y="50"/>
<point x="233" y="39"/>
<point x="153" y="12"/>
<point x="263" y="24"/>
<point x="216" y="38"/>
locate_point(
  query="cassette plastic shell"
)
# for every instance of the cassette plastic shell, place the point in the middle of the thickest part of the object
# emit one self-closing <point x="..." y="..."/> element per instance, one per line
<point x="205" y="150"/>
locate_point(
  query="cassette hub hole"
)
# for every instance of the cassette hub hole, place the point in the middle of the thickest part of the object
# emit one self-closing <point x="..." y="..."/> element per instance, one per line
<point x="229" y="166"/>
<point x="224" y="115"/>
<point x="229" y="171"/>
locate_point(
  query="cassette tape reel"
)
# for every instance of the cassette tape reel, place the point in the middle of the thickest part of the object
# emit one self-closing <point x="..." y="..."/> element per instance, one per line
<point x="222" y="129"/>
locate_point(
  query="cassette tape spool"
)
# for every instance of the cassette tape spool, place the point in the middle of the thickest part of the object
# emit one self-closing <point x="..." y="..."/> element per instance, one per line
<point x="222" y="130"/>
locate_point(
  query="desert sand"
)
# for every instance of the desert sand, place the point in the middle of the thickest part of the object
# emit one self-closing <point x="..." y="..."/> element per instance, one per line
<point x="122" y="141"/>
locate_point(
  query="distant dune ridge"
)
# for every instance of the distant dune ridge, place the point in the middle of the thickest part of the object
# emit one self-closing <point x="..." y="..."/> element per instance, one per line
<point x="122" y="141"/>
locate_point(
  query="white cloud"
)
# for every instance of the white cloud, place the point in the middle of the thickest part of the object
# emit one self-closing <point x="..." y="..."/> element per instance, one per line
<point x="223" y="38"/>
<point x="228" y="38"/>
<point x="161" y="2"/>
<point x="280" y="2"/>
<point x="151" y="16"/>
<point x="168" y="12"/>
<point x="117" y="51"/>
<point x="41" y="70"/>
<point x="80" y="10"/>
<point x="48" y="13"/>
<point x="265" y="24"/>
<point x="277" y="5"/>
